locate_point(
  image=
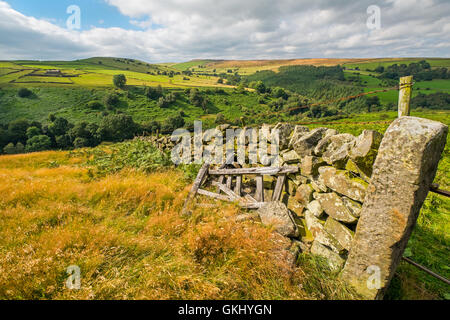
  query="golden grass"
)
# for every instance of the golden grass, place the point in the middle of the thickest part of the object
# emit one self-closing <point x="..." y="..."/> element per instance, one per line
<point x="277" y="63"/>
<point x="126" y="234"/>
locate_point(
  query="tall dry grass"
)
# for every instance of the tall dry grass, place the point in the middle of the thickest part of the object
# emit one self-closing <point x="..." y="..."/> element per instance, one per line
<point x="126" y="234"/>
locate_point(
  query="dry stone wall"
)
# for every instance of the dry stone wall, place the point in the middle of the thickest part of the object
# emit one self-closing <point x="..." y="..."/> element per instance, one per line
<point x="327" y="194"/>
<point x="323" y="201"/>
<point x="354" y="200"/>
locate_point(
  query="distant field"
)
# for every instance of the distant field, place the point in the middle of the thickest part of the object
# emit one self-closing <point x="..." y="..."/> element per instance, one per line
<point x="90" y="73"/>
<point x="373" y="63"/>
<point x="33" y="79"/>
<point x="191" y="64"/>
<point x="371" y="83"/>
<point x="247" y="67"/>
<point x="5" y="79"/>
<point x="97" y="73"/>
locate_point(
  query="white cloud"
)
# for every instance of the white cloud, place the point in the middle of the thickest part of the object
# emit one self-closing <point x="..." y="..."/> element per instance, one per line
<point x="236" y="29"/>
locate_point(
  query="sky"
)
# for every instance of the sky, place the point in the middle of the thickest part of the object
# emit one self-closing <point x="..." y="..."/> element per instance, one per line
<point x="181" y="30"/>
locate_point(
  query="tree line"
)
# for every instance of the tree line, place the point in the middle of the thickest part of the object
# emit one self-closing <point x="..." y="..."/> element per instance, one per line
<point x="421" y="71"/>
<point x="22" y="136"/>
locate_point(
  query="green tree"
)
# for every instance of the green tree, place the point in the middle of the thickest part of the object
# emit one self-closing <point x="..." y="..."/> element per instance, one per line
<point x="120" y="80"/>
<point x="33" y="131"/>
<point x="154" y="93"/>
<point x="20" y="148"/>
<point x="38" y="143"/>
<point x="152" y="127"/>
<point x="80" y="143"/>
<point x="280" y="93"/>
<point x="117" y="127"/>
<point x="9" y="148"/>
<point x="162" y="103"/>
<point x="60" y="126"/>
<point x="4" y="138"/>
<point x="260" y="87"/>
<point x="94" y="105"/>
<point x="111" y="101"/>
<point x="172" y="123"/>
<point x="63" y="142"/>
<point x="24" y="93"/>
<point x="51" y="117"/>
<point x="17" y="131"/>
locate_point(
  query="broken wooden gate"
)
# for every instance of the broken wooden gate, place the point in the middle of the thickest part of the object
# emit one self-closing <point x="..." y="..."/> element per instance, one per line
<point x="228" y="183"/>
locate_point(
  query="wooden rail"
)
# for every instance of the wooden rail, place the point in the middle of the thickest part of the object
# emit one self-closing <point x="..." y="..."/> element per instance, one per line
<point x="229" y="184"/>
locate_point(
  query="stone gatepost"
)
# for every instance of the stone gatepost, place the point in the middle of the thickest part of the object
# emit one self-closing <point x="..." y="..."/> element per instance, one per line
<point x="402" y="175"/>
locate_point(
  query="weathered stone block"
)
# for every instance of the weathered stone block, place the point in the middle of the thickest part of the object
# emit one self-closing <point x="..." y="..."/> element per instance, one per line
<point x="295" y="206"/>
<point x="305" y="145"/>
<point x="304" y="194"/>
<point x="315" y="208"/>
<point x="343" y="182"/>
<point x="323" y="144"/>
<point x="353" y="206"/>
<point x="318" y="185"/>
<point x="353" y="167"/>
<point x="365" y="150"/>
<point x="291" y="187"/>
<point x="313" y="224"/>
<point x="278" y="215"/>
<point x="337" y="152"/>
<point x="329" y="241"/>
<point x="298" y="179"/>
<point x="402" y="175"/>
<point x="291" y="157"/>
<point x="335" y="207"/>
<point x="299" y="131"/>
<point x="310" y="165"/>
<point x="340" y="232"/>
<point x="285" y="130"/>
<point x="335" y="261"/>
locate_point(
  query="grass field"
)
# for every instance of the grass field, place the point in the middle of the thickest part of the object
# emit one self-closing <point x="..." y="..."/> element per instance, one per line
<point x="99" y="72"/>
<point x="125" y="232"/>
<point x="70" y="102"/>
<point x="371" y="83"/>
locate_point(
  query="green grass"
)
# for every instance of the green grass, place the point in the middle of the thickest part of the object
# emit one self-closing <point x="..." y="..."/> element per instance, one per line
<point x="70" y="102"/>
<point x="92" y="73"/>
<point x="37" y="79"/>
<point x="8" y="78"/>
<point x="191" y="64"/>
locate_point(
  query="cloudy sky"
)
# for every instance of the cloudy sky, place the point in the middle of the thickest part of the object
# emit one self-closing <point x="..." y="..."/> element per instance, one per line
<point x="180" y="30"/>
